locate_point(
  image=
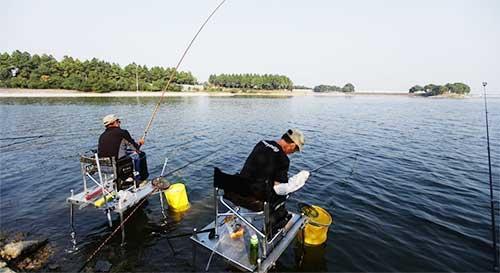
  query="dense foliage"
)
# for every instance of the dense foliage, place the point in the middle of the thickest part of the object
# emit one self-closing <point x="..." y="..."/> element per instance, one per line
<point x="301" y="87"/>
<point x="433" y="90"/>
<point x="22" y="70"/>
<point x="251" y="81"/>
<point x="332" y="88"/>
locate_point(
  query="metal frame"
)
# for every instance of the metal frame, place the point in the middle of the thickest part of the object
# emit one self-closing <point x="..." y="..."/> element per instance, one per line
<point x="92" y="166"/>
<point x="264" y="264"/>
<point x="272" y="247"/>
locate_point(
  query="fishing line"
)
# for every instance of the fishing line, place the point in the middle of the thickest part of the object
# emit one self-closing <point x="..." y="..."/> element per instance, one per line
<point x="172" y="74"/>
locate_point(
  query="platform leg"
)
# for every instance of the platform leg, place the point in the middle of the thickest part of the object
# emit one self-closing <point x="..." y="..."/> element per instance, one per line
<point x="72" y="226"/>
<point x="162" y="206"/>
<point x="303" y="246"/>
<point x="108" y="215"/>
<point x="194" y="250"/>
<point x="122" y="226"/>
<point x="209" y="261"/>
<point x="216" y="204"/>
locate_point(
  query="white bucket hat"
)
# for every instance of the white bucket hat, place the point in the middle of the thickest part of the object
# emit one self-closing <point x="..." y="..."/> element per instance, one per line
<point x="107" y="120"/>
<point x="297" y="137"/>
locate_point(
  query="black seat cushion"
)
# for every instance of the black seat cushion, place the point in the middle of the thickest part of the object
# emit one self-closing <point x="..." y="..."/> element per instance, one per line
<point x="124" y="170"/>
<point x="250" y="194"/>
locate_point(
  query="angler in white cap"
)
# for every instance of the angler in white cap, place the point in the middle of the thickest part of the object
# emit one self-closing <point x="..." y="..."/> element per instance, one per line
<point x="116" y="142"/>
<point x="269" y="161"/>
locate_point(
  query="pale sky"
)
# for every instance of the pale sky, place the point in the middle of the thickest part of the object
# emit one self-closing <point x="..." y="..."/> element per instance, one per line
<point x="376" y="45"/>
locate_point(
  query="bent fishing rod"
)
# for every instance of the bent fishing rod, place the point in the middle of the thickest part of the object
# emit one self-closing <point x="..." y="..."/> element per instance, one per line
<point x="492" y="201"/>
<point x="172" y="75"/>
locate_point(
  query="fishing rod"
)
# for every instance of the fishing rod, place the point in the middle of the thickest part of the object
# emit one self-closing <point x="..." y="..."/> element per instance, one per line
<point x="39" y="136"/>
<point x="333" y="162"/>
<point x="172" y="74"/>
<point x="492" y="202"/>
<point x="192" y="162"/>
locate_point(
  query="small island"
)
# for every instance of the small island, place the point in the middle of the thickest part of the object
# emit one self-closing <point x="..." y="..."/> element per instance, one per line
<point x="450" y="89"/>
<point x="348" y="88"/>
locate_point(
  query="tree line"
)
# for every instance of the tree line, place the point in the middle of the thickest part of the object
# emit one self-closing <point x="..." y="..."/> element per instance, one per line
<point x="22" y="70"/>
<point x="251" y="81"/>
<point x="433" y="89"/>
<point x="349" y="87"/>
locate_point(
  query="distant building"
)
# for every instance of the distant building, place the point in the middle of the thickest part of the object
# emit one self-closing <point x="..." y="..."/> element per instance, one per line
<point x="192" y="87"/>
<point x="14" y="71"/>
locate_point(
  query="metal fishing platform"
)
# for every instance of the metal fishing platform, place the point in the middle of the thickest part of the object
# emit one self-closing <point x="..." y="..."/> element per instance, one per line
<point x="219" y="237"/>
<point x="102" y="192"/>
<point x="237" y="252"/>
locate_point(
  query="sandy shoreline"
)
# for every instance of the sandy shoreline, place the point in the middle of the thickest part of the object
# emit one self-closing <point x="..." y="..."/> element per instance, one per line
<point x="57" y="93"/>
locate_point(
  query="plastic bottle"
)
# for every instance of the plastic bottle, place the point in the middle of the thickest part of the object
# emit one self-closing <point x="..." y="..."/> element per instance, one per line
<point x="254" y="249"/>
<point x="103" y="200"/>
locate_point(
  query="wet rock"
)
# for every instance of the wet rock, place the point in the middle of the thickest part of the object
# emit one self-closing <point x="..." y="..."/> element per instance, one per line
<point x="17" y="249"/>
<point x="102" y="266"/>
<point x="36" y="261"/>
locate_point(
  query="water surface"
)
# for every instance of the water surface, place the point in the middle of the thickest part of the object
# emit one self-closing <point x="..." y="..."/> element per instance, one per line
<point x="416" y="199"/>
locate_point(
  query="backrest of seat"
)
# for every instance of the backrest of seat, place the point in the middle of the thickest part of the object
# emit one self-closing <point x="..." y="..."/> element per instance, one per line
<point x="250" y="194"/>
<point x="233" y="183"/>
<point x="124" y="168"/>
<point x="103" y="161"/>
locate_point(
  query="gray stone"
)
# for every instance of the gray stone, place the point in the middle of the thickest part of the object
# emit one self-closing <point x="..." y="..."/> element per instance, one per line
<point x="17" y="249"/>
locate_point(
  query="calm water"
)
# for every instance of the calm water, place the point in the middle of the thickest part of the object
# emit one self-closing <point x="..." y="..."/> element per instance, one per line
<point x="418" y="198"/>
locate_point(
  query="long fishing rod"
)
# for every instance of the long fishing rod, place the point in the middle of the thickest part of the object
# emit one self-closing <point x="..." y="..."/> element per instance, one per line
<point x="39" y="136"/>
<point x="192" y="162"/>
<point x="492" y="202"/>
<point x="172" y="75"/>
<point x="332" y="162"/>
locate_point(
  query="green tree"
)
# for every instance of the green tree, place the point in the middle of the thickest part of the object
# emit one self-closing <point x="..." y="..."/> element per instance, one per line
<point x="416" y="88"/>
<point x="349" y="87"/>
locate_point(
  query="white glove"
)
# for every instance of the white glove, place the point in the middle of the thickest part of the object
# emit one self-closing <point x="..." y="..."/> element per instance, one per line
<point x="294" y="183"/>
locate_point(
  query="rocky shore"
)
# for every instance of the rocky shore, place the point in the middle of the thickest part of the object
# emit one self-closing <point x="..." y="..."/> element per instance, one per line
<point x="24" y="252"/>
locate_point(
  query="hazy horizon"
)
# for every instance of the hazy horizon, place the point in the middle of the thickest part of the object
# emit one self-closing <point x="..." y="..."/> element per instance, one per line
<point x="376" y="45"/>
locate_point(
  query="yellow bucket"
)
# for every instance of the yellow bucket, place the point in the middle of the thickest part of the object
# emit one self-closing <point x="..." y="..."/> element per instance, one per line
<point x="177" y="197"/>
<point x="316" y="230"/>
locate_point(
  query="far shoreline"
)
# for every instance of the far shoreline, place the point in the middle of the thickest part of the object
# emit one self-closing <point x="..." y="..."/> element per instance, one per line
<point x="63" y="93"/>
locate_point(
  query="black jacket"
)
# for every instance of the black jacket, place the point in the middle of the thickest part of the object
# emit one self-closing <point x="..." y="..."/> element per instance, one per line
<point x="114" y="142"/>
